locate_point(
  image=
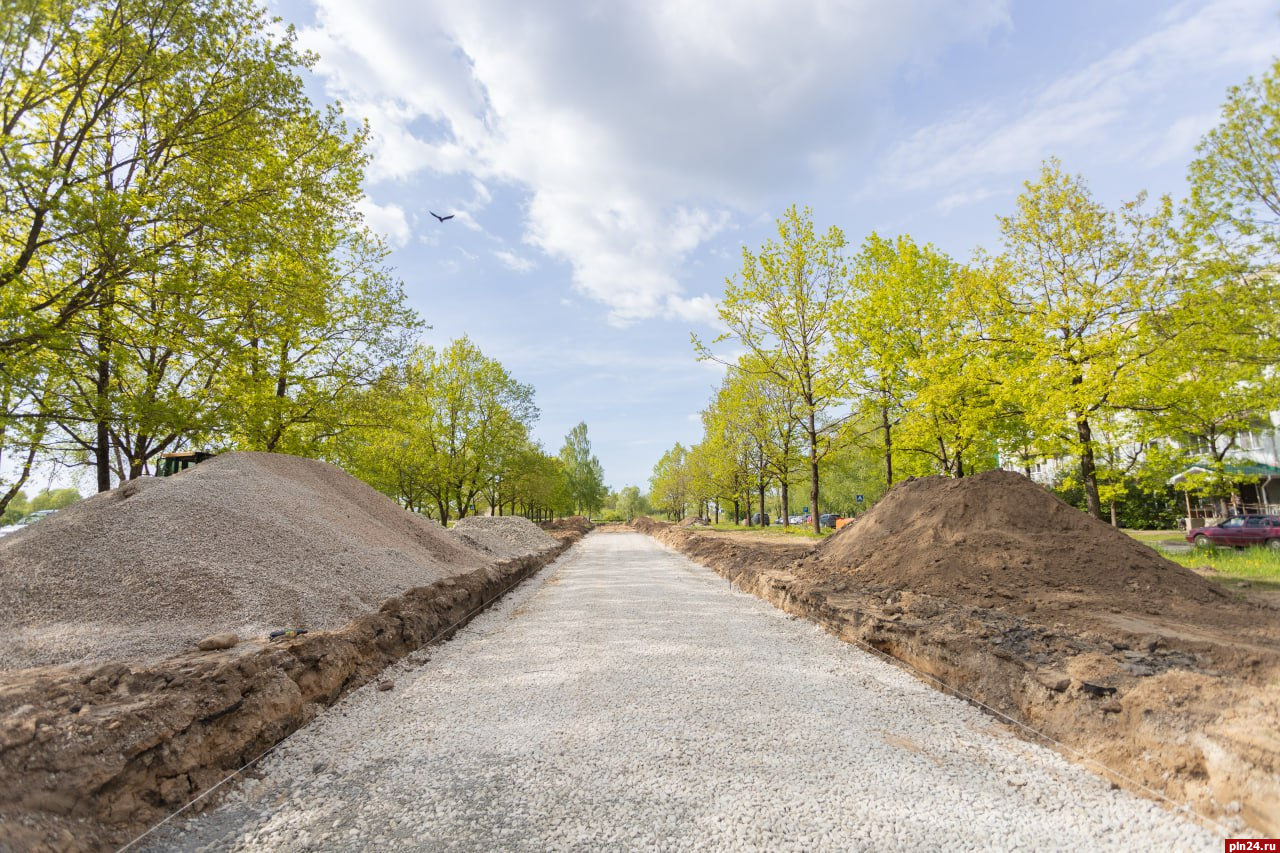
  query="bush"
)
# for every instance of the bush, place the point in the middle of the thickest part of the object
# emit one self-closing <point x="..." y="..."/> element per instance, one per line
<point x="1138" y="510"/>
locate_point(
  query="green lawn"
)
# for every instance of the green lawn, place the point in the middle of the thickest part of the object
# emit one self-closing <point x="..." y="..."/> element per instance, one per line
<point x="773" y="530"/>
<point x="1152" y="536"/>
<point x="1260" y="567"/>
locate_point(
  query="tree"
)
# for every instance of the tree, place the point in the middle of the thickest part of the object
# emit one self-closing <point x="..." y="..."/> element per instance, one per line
<point x="437" y="430"/>
<point x="669" y="485"/>
<point x="911" y="343"/>
<point x="779" y="309"/>
<point x="585" y="475"/>
<point x="1234" y="210"/>
<point x="173" y="200"/>
<point x="631" y="503"/>
<point x="1072" y="290"/>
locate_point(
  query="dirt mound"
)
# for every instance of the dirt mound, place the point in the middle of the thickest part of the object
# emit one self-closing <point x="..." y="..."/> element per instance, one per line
<point x="1000" y="537"/>
<point x="504" y="536"/>
<point x="247" y="542"/>
<point x="578" y="524"/>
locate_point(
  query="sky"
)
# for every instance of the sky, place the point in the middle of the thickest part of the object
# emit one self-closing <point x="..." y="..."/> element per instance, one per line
<point x="606" y="162"/>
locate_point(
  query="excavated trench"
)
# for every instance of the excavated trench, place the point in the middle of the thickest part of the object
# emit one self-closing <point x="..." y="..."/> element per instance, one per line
<point x="1177" y="718"/>
<point x="90" y="757"/>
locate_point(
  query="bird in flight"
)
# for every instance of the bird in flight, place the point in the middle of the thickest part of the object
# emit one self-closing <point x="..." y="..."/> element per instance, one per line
<point x="438" y="216"/>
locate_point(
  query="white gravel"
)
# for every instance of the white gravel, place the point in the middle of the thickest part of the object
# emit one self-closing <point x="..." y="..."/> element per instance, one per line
<point x="504" y="536"/>
<point x="629" y="699"/>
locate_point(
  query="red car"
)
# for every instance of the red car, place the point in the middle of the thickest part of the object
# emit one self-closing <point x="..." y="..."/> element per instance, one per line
<point x="1238" y="532"/>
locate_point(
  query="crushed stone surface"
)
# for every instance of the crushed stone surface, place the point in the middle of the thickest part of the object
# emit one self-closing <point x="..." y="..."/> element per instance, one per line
<point x="244" y="543"/>
<point x="630" y="699"/>
<point x="504" y="536"/>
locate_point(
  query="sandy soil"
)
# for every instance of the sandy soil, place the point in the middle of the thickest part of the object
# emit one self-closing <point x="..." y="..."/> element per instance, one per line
<point x="245" y="543"/>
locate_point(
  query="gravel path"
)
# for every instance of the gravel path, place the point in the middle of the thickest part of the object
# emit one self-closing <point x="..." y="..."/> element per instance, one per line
<point x="628" y="699"/>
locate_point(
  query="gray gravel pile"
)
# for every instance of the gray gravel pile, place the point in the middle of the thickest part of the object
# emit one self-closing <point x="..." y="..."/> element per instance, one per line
<point x="633" y="701"/>
<point x="246" y="542"/>
<point x="504" y="536"/>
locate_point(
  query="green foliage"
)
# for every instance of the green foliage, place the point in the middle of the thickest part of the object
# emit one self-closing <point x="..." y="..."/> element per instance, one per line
<point x="670" y="485"/>
<point x="631" y="503"/>
<point x="443" y="430"/>
<point x="16" y="509"/>
<point x="54" y="499"/>
<point x="779" y="309"/>
<point x="585" y="476"/>
<point x="1234" y="210"/>
<point x="918" y="366"/>
<point x="182" y="261"/>
<point x="1071" y="299"/>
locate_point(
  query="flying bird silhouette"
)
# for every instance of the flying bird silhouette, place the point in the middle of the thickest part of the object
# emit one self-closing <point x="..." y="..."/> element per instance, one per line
<point x="438" y="216"/>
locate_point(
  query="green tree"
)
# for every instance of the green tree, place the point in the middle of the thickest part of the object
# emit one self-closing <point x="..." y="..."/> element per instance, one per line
<point x="918" y="365"/>
<point x="779" y="308"/>
<point x="1234" y="210"/>
<point x="631" y="502"/>
<point x="669" y="485"/>
<point x="584" y="472"/>
<point x="172" y="186"/>
<point x="1074" y="288"/>
<point x="436" y="431"/>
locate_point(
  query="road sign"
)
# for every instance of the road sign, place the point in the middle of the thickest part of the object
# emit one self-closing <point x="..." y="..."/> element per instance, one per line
<point x="859" y="498"/>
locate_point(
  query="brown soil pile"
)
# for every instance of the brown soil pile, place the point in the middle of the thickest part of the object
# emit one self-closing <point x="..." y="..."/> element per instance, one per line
<point x="246" y="543"/>
<point x="577" y="524"/>
<point x="997" y="537"/>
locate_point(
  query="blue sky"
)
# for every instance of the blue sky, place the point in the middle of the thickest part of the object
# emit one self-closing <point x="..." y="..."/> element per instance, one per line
<point x="607" y="161"/>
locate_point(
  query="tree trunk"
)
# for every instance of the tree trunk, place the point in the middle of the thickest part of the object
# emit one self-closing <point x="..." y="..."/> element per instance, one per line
<point x="21" y="479"/>
<point x="748" y="497"/>
<point x="813" y="471"/>
<point x="1088" y="470"/>
<point x="1115" y="521"/>
<point x="761" y="492"/>
<point x="888" y="447"/>
<point x="786" y="505"/>
<point x="102" y="444"/>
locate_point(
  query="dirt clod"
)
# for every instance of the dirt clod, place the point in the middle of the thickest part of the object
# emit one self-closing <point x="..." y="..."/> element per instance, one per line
<point x="214" y="642"/>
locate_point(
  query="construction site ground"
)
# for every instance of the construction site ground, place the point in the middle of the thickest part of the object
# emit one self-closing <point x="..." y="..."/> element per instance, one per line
<point x="1068" y="632"/>
<point x="992" y="589"/>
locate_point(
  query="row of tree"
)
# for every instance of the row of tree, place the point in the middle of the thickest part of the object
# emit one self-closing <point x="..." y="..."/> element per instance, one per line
<point x="448" y="433"/>
<point x="1133" y="341"/>
<point x="183" y="263"/>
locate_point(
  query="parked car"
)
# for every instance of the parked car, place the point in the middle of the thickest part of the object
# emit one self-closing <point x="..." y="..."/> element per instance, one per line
<point x="798" y="519"/>
<point x="828" y="519"/>
<point x="26" y="522"/>
<point x="1239" y="531"/>
<point x="761" y="518"/>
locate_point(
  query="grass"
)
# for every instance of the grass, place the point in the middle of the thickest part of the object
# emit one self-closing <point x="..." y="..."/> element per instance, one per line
<point x="802" y="530"/>
<point x="1151" y="537"/>
<point x="1259" y="566"/>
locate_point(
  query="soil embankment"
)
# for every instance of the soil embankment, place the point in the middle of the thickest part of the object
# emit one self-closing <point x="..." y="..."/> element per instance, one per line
<point x="125" y="585"/>
<point x="1007" y="596"/>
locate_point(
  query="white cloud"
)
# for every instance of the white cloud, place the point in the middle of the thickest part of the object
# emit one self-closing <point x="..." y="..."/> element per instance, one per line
<point x="637" y="129"/>
<point x="512" y="261"/>
<point x="1086" y="107"/>
<point x="947" y="204"/>
<point x="389" y="221"/>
